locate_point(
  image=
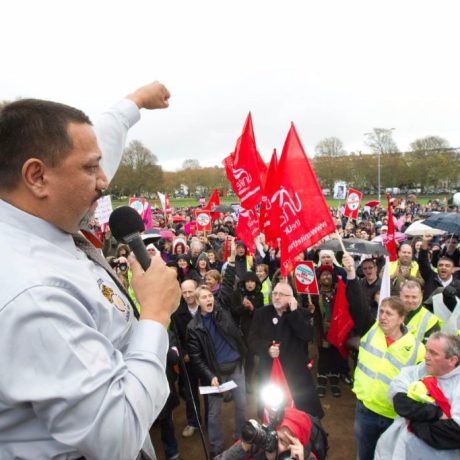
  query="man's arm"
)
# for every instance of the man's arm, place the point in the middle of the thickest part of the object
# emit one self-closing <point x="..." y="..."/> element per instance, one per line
<point x="113" y="125"/>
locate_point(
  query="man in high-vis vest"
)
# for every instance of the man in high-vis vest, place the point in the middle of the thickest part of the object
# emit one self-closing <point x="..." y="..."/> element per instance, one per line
<point x="404" y="268"/>
<point x="427" y="400"/>
<point x="386" y="346"/>
<point x="419" y="320"/>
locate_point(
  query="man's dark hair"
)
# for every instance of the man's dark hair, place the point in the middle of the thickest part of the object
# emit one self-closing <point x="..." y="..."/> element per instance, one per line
<point x="33" y="128"/>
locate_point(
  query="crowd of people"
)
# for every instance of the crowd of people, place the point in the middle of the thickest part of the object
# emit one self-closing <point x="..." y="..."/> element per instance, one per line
<point x="249" y="314"/>
<point x="91" y="345"/>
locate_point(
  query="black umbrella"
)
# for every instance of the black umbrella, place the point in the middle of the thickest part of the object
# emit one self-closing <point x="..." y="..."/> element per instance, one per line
<point x="448" y="221"/>
<point x="222" y="208"/>
<point x="356" y="246"/>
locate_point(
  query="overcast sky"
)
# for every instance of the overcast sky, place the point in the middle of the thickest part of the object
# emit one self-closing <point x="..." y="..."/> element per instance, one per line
<point x="334" y="68"/>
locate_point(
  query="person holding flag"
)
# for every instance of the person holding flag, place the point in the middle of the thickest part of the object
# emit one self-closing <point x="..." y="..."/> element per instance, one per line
<point x="282" y="330"/>
<point x="386" y="346"/>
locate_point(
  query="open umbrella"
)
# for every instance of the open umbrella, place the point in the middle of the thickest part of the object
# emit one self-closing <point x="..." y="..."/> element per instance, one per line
<point x="222" y="208"/>
<point x="448" y="221"/>
<point x="372" y="203"/>
<point x="178" y="218"/>
<point x="399" y="237"/>
<point x="356" y="246"/>
<point x="418" y="228"/>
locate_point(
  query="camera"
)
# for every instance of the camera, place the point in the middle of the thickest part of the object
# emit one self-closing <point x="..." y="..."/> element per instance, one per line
<point x="123" y="267"/>
<point x="262" y="436"/>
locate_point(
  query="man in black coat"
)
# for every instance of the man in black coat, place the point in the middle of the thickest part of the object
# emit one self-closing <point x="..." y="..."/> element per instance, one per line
<point x="216" y="347"/>
<point x="283" y="330"/>
<point x="445" y="270"/>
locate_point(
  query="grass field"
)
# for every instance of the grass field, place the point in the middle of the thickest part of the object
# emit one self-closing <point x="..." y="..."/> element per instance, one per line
<point x="189" y="202"/>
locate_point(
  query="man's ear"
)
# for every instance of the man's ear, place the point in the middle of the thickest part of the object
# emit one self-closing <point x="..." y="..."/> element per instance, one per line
<point x="33" y="175"/>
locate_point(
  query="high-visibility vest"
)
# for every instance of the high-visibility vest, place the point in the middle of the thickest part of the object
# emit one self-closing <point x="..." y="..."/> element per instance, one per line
<point x="422" y="322"/>
<point x="414" y="268"/>
<point x="266" y="290"/>
<point x="379" y="364"/>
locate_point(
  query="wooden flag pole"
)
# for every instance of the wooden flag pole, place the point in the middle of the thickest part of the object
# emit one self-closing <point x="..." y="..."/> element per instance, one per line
<point x="340" y="241"/>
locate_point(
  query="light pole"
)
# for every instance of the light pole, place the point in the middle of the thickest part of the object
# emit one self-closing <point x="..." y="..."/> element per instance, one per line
<point x="378" y="146"/>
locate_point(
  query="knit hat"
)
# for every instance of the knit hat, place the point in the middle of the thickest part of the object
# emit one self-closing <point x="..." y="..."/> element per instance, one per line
<point x="325" y="268"/>
<point x="299" y="424"/>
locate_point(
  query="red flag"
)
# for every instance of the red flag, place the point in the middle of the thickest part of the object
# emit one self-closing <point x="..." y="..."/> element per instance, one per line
<point x="213" y="201"/>
<point x="148" y="223"/>
<point x="352" y="203"/>
<point x="391" y="243"/>
<point x="242" y="168"/>
<point x="304" y="215"/>
<point x="168" y="209"/>
<point x="248" y="228"/>
<point x="278" y="378"/>
<point x="269" y="221"/>
<point x="341" y="322"/>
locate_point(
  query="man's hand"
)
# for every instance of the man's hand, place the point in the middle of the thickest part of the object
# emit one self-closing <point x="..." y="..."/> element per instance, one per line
<point x="274" y="351"/>
<point x="152" y="96"/>
<point x="349" y="264"/>
<point x="215" y="382"/>
<point x="295" y="447"/>
<point x="427" y="237"/>
<point x="157" y="290"/>
<point x="292" y="303"/>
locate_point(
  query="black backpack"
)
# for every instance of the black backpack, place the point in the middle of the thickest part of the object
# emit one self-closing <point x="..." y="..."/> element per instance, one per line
<point x="318" y="443"/>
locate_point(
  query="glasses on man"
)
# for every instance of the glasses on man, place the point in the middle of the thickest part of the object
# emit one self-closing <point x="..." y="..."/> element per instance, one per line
<point x="281" y="294"/>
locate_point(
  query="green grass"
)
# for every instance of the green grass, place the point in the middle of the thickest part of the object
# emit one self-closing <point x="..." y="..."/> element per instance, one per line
<point x="189" y="202"/>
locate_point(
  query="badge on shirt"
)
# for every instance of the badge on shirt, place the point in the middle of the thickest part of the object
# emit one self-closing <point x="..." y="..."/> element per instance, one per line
<point x="114" y="298"/>
<point x="275" y="321"/>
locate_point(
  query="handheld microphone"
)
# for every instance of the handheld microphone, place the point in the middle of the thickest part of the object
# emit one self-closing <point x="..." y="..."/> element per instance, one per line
<point x="126" y="226"/>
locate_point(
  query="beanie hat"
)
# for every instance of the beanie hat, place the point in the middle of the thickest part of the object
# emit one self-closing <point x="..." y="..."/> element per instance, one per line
<point x="299" y="424"/>
<point x="325" y="268"/>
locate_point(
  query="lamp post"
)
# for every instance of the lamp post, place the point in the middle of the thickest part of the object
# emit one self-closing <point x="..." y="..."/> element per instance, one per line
<point x="378" y="146"/>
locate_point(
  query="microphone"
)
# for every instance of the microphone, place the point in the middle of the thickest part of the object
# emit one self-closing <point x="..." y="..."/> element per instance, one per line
<point x="126" y="226"/>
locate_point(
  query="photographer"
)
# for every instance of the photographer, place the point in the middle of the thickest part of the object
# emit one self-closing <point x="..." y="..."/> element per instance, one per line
<point x="289" y="440"/>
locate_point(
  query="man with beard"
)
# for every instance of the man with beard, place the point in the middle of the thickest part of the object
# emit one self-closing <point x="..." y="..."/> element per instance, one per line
<point x="81" y="376"/>
<point x="282" y="330"/>
<point x="404" y="268"/>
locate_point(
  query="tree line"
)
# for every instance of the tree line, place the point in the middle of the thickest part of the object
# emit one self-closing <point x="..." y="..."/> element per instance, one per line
<point x="430" y="164"/>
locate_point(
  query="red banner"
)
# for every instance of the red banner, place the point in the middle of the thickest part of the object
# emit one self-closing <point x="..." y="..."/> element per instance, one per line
<point x="248" y="228"/>
<point x="352" y="204"/>
<point x="243" y="168"/>
<point x="341" y="321"/>
<point x="305" y="278"/>
<point x="268" y="221"/>
<point x="203" y="220"/>
<point x="304" y="217"/>
<point x="391" y="243"/>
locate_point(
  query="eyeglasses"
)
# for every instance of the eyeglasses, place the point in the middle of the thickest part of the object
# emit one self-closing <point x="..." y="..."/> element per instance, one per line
<point x="282" y="294"/>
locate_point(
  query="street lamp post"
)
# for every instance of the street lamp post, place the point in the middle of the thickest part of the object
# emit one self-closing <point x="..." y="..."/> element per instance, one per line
<point x="379" y="153"/>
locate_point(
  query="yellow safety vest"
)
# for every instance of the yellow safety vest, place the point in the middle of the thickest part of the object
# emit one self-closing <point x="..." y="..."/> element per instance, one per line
<point x="422" y="322"/>
<point x="266" y="290"/>
<point x="414" y="268"/>
<point x="379" y="364"/>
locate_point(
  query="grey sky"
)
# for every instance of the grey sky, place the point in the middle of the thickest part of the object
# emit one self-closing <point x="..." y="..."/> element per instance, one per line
<point x="335" y="68"/>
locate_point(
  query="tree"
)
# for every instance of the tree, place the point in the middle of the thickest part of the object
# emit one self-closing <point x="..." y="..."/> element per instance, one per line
<point x="330" y="147"/>
<point x="191" y="164"/>
<point x="381" y="141"/>
<point x="428" y="161"/>
<point x="138" y="174"/>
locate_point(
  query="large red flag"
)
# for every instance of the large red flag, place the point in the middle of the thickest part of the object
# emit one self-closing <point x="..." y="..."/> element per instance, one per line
<point x="247" y="228"/>
<point x="269" y="219"/>
<point x="243" y="167"/>
<point x="341" y="322"/>
<point x="304" y="215"/>
<point x="391" y="243"/>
